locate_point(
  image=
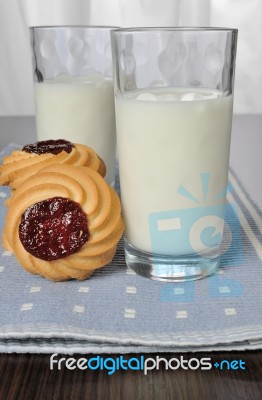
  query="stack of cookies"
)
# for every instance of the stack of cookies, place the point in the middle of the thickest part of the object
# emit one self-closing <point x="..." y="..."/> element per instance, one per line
<point x="63" y="221"/>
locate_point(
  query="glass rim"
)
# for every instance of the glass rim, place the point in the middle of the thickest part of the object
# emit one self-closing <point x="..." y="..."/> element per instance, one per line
<point x="174" y="29"/>
<point x="102" y="27"/>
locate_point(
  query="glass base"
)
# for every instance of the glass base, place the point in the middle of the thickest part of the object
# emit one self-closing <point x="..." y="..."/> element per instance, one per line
<point x="171" y="268"/>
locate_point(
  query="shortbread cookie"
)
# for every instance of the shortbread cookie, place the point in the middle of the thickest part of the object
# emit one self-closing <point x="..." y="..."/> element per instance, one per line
<point x="22" y="164"/>
<point x="63" y="222"/>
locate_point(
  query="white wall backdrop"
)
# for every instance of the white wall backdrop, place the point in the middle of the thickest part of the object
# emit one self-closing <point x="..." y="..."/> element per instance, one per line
<point x="16" y="89"/>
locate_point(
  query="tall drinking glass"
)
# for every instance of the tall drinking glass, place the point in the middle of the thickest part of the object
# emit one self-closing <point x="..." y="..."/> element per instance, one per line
<point x="174" y="100"/>
<point x="74" y="88"/>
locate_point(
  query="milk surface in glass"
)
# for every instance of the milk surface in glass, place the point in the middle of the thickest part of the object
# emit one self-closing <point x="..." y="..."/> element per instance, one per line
<point x="168" y="138"/>
<point x="79" y="109"/>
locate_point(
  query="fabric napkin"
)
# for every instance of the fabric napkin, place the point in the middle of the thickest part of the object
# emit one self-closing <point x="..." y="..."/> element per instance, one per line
<point x="117" y="311"/>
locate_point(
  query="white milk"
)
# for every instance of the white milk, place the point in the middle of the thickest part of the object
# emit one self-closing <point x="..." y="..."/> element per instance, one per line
<point x="80" y="110"/>
<point x="168" y="138"/>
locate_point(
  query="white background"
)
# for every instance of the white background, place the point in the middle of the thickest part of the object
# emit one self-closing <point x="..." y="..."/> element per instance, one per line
<point x="16" y="90"/>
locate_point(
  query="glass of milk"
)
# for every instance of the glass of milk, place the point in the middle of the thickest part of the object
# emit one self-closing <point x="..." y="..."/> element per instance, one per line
<point x="73" y="88"/>
<point x="174" y="100"/>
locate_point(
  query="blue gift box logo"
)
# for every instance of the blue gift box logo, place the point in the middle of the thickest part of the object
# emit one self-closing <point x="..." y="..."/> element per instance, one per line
<point x="186" y="231"/>
<point x="195" y="230"/>
<point x="200" y="228"/>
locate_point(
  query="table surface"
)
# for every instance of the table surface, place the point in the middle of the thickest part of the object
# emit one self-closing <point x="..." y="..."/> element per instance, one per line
<point x="25" y="376"/>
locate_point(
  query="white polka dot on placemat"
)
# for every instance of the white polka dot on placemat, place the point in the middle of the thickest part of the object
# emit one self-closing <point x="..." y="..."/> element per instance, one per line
<point x="180" y="314"/>
<point x="83" y="289"/>
<point x="130" y="272"/>
<point x="35" y="289"/>
<point x="79" y="309"/>
<point x="230" y="311"/>
<point x="26" y="307"/>
<point x="7" y="253"/>
<point x="131" y="290"/>
<point x="224" y="289"/>
<point x="179" y="291"/>
<point x="130" y="313"/>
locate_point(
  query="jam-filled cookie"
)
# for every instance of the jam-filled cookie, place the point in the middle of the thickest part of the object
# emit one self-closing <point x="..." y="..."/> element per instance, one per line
<point x="63" y="222"/>
<point x="22" y="164"/>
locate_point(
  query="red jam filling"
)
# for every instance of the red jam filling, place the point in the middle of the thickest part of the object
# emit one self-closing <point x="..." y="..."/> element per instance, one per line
<point x="49" y="146"/>
<point x="54" y="228"/>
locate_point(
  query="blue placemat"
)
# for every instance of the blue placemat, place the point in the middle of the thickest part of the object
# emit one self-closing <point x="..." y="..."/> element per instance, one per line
<point x="116" y="311"/>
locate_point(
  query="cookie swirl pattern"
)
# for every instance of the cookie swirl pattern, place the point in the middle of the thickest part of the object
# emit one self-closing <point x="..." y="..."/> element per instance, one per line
<point x="98" y="201"/>
<point x="20" y="165"/>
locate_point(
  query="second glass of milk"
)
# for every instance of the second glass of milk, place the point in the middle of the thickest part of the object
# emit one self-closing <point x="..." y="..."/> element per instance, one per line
<point x="73" y="88"/>
<point x="174" y="101"/>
